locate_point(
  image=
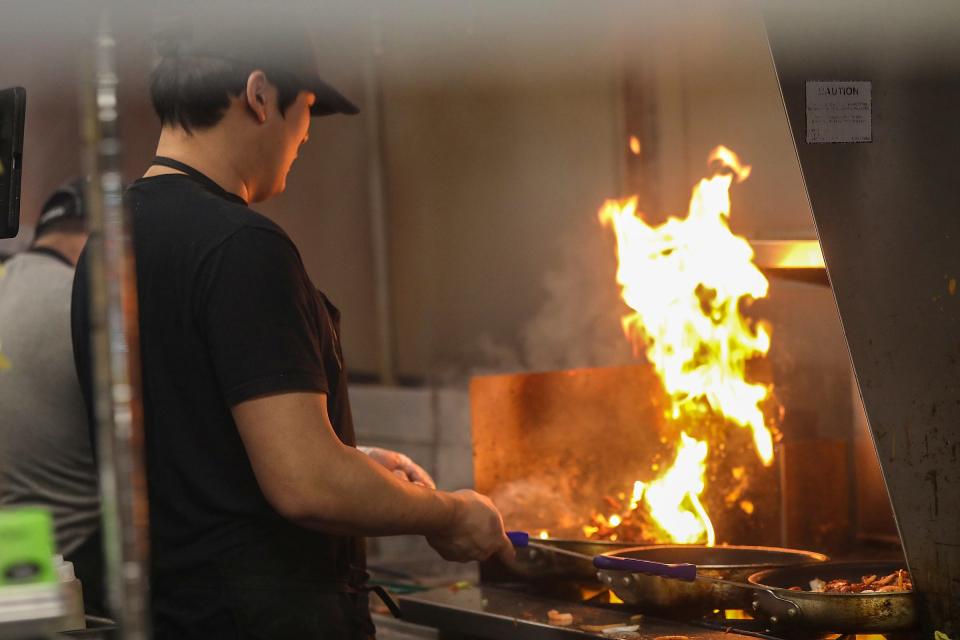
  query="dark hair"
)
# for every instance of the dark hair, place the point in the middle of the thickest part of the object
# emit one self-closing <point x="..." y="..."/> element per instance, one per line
<point x="193" y="92"/>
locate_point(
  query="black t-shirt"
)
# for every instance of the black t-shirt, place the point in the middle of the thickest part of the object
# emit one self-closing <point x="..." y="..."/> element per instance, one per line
<point x="227" y="313"/>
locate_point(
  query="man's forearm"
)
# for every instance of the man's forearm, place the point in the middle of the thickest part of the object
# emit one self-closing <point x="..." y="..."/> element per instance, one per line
<point x="355" y="495"/>
<point x="310" y="477"/>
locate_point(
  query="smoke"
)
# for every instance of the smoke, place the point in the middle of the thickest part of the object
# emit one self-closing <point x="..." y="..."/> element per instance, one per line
<point x="578" y="323"/>
<point x="536" y="503"/>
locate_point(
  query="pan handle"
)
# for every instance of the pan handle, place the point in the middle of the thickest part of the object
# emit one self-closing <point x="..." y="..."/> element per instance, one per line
<point x="777" y="608"/>
<point x="685" y="572"/>
<point x="519" y="539"/>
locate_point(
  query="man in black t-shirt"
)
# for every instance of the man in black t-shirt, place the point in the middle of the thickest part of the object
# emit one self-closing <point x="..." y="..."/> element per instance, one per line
<point x="258" y="497"/>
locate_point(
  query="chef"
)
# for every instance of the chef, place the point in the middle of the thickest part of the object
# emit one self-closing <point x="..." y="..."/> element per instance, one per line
<point x="259" y="499"/>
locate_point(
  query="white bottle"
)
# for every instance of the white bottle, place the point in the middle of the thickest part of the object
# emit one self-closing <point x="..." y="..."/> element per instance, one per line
<point x="72" y="596"/>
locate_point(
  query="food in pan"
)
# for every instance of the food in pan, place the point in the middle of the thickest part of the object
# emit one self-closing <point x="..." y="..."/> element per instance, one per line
<point x="559" y="619"/>
<point x="899" y="580"/>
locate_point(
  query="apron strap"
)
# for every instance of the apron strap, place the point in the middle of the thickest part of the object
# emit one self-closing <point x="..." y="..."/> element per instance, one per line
<point x="358" y="581"/>
<point x="210" y="185"/>
<point x="390" y="603"/>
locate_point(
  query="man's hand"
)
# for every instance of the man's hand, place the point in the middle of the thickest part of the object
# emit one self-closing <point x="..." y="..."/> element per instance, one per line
<point x="400" y="465"/>
<point x="476" y="532"/>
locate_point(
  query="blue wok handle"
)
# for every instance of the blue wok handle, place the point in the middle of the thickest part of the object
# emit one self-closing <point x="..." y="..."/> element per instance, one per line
<point x="520" y="539"/>
<point x="685" y="572"/>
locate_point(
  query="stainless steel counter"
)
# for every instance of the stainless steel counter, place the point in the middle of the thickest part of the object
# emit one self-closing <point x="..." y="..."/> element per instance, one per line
<point x="493" y="612"/>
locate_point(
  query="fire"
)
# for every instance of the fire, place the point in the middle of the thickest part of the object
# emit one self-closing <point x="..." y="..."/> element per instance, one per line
<point x="684" y="282"/>
<point x="736" y="614"/>
<point x="672" y="500"/>
<point x="681" y="485"/>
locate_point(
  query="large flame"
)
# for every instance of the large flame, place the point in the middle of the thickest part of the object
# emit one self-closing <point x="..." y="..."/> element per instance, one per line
<point x="684" y="282"/>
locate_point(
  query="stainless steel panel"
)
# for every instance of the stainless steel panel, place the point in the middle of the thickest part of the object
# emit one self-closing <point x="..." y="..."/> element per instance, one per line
<point x="799" y="260"/>
<point x="491" y="612"/>
<point x="888" y="216"/>
<point x="787" y="254"/>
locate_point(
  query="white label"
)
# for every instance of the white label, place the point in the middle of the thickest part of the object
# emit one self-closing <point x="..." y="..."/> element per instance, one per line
<point x="839" y="111"/>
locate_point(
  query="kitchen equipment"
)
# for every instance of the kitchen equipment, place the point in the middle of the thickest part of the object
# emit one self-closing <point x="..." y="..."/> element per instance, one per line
<point x="12" y="111"/>
<point x="31" y="601"/>
<point x="72" y="591"/>
<point x="486" y="611"/>
<point x="691" y="579"/>
<point x="834" y="612"/>
<point x="558" y="559"/>
<point x="768" y="594"/>
<point x="873" y="118"/>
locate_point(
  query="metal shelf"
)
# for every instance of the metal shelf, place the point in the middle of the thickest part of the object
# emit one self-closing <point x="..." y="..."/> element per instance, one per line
<point x="29" y="610"/>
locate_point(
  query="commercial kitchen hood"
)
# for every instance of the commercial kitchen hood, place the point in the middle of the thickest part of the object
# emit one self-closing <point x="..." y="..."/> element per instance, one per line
<point x="872" y="93"/>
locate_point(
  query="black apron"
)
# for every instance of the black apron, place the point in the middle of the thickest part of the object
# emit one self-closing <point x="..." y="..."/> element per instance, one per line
<point x="249" y="602"/>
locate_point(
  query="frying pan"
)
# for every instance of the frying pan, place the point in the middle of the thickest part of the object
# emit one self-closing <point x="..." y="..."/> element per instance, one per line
<point x="771" y="598"/>
<point x="557" y="558"/>
<point x="833" y="612"/>
<point x="691" y="579"/>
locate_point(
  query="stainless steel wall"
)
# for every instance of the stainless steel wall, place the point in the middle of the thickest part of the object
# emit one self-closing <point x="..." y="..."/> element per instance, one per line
<point x="886" y="211"/>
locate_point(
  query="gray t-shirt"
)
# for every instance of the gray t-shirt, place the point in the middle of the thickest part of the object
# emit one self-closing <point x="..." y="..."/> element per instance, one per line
<point x="45" y="452"/>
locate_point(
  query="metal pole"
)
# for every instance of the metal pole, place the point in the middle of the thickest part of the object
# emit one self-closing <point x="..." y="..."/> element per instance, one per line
<point x="115" y="347"/>
<point x="379" y="231"/>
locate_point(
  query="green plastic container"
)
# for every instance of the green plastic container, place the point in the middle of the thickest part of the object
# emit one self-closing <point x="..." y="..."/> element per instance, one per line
<point x="26" y="547"/>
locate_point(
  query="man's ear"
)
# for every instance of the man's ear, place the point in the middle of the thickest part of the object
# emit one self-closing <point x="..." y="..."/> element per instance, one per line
<point x="256" y="94"/>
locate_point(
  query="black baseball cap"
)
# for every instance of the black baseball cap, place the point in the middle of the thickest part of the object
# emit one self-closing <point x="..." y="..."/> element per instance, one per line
<point x="268" y="39"/>
<point x="67" y="202"/>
